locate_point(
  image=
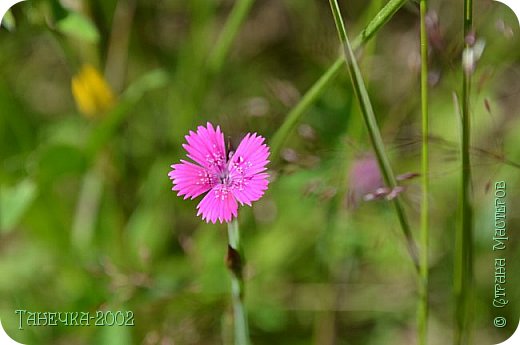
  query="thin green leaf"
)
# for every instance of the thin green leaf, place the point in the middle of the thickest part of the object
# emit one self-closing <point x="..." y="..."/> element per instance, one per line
<point x="228" y="34"/>
<point x="373" y="129"/>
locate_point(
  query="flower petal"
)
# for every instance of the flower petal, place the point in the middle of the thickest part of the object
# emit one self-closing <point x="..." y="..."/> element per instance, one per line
<point x="247" y="169"/>
<point x="206" y="147"/>
<point x="253" y="189"/>
<point x="191" y="180"/>
<point x="219" y="204"/>
<point x="250" y="158"/>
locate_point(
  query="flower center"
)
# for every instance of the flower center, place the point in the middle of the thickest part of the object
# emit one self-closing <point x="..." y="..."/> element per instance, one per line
<point x="224" y="178"/>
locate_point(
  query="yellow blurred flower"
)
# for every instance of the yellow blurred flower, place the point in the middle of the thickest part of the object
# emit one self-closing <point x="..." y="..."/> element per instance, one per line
<point x="91" y="92"/>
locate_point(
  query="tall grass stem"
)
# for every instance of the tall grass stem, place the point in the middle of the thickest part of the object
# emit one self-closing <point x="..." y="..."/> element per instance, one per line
<point x="373" y="129"/>
<point x="422" y="316"/>
<point x="464" y="238"/>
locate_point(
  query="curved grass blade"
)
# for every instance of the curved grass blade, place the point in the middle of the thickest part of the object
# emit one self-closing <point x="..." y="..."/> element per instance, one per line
<point x="294" y="116"/>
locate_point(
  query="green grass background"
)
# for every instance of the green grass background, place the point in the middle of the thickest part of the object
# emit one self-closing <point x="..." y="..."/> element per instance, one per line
<point x="317" y="271"/>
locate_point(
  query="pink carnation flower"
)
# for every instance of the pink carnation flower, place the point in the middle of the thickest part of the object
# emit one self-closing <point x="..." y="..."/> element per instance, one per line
<point x="238" y="177"/>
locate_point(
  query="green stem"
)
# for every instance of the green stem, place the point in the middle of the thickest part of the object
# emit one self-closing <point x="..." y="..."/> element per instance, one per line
<point x="425" y="212"/>
<point x="235" y="261"/>
<point x="373" y="129"/>
<point x="379" y="20"/>
<point x="230" y="30"/>
<point x="464" y="238"/>
<point x="281" y="135"/>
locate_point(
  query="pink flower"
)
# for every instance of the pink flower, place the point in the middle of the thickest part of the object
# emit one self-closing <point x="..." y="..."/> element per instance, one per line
<point x="238" y="177"/>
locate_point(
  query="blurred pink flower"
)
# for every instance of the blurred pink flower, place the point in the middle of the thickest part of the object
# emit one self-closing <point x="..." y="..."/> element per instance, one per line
<point x="239" y="178"/>
<point x="364" y="178"/>
<point x="366" y="182"/>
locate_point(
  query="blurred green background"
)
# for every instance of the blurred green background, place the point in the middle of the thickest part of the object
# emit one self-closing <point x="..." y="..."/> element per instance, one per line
<point x="88" y="220"/>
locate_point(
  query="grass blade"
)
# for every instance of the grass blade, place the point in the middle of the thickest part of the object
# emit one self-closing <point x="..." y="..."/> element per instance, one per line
<point x="373" y="129"/>
<point x="464" y="237"/>
<point x="230" y="30"/>
<point x="296" y="113"/>
<point x="292" y="119"/>
<point x="422" y="316"/>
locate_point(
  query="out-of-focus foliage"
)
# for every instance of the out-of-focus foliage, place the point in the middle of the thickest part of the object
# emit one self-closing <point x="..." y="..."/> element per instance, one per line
<point x="88" y="221"/>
